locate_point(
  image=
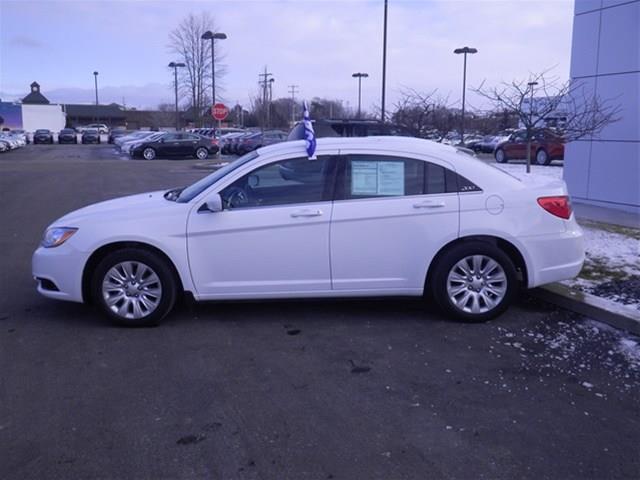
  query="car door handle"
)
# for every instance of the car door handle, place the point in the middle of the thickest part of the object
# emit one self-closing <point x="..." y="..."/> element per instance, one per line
<point x="306" y="213"/>
<point x="429" y="204"/>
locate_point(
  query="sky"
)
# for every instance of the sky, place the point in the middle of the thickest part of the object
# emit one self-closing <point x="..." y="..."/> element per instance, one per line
<point x="315" y="44"/>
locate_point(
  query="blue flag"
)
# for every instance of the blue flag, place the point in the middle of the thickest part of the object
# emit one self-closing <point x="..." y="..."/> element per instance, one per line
<point x="309" y="134"/>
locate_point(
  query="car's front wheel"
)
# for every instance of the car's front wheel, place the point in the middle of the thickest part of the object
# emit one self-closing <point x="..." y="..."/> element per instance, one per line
<point x="474" y="281"/>
<point x="202" y="153"/>
<point x="501" y="157"/>
<point x="149" y="153"/>
<point x="134" y="287"/>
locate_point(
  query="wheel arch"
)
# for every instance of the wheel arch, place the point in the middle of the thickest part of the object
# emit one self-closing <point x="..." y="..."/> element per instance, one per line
<point x="506" y="246"/>
<point x="97" y="256"/>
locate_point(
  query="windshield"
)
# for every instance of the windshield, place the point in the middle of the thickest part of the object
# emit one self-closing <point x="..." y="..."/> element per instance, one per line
<point x="201" y="185"/>
<point x="42" y="131"/>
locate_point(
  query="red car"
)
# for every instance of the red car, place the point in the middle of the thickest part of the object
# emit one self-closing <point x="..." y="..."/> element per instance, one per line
<point x="546" y="145"/>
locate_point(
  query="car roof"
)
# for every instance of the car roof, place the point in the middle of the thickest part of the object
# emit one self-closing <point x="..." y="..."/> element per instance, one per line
<point x="462" y="162"/>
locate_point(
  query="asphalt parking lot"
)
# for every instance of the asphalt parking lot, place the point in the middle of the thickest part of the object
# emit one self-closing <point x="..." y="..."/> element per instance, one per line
<point x="289" y="390"/>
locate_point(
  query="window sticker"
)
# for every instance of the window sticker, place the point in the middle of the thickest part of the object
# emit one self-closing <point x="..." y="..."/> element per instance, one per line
<point x="390" y="178"/>
<point x="364" y="178"/>
<point x="377" y="178"/>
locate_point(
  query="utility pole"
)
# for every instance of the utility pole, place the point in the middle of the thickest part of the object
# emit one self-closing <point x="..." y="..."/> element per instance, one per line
<point x="265" y="83"/>
<point x="293" y="91"/>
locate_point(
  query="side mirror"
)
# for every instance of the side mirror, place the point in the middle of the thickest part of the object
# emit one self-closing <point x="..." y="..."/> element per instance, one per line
<point x="214" y="203"/>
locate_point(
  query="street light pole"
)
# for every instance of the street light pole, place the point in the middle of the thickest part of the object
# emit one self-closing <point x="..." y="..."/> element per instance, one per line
<point x="209" y="35"/>
<point x="359" y="76"/>
<point x="384" y="60"/>
<point x="529" y="129"/>
<point x="175" y="66"/>
<point x="95" y="79"/>
<point x="465" y="51"/>
<point x="293" y="89"/>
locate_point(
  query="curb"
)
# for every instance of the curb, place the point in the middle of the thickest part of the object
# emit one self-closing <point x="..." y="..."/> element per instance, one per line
<point x="606" y="311"/>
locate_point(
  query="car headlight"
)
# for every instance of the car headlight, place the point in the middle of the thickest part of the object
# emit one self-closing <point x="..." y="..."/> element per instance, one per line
<point x="56" y="236"/>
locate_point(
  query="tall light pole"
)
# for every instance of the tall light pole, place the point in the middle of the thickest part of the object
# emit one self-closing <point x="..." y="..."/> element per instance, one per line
<point x="293" y="89"/>
<point x="529" y="129"/>
<point x="465" y="51"/>
<point x="175" y="66"/>
<point x="384" y="60"/>
<point x="95" y="79"/>
<point x="209" y="35"/>
<point x="359" y="76"/>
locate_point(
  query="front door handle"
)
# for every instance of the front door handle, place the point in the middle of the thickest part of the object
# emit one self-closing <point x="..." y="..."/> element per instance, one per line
<point x="429" y="204"/>
<point x="306" y="213"/>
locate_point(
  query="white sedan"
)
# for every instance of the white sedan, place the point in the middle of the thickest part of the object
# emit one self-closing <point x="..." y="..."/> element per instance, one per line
<point x="377" y="216"/>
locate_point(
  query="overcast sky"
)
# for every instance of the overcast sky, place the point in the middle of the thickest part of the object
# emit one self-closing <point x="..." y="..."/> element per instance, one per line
<point x="315" y="44"/>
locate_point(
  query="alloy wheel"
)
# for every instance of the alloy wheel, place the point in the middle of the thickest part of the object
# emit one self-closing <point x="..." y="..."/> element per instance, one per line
<point x="476" y="284"/>
<point x="131" y="290"/>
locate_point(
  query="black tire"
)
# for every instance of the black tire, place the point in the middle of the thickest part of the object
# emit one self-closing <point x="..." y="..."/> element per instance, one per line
<point x="500" y="156"/>
<point x="168" y="281"/>
<point x="445" y="264"/>
<point x="200" y="149"/>
<point x="541" y="157"/>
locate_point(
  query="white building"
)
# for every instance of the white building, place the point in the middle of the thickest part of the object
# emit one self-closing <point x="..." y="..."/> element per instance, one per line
<point x="605" y="57"/>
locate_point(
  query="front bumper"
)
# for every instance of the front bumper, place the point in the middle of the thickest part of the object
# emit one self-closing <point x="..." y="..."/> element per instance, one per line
<point x="58" y="272"/>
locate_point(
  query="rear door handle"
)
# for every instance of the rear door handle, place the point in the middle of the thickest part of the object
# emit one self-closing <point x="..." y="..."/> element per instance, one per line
<point x="306" y="213"/>
<point x="429" y="204"/>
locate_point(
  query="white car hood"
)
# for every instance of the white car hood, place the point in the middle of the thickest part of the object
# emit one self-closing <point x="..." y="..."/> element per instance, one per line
<point x="117" y="209"/>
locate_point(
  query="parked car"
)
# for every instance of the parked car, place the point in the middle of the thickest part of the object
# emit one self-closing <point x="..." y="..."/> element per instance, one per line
<point x="21" y="135"/>
<point x="137" y="135"/>
<point x="226" y="140"/>
<point x="100" y="127"/>
<point x="67" y="135"/>
<point x="489" y="143"/>
<point x="42" y="136"/>
<point x="90" y="135"/>
<point x="235" y="141"/>
<point x="348" y="128"/>
<point x="174" y="144"/>
<point x="372" y="217"/>
<point x="546" y="145"/>
<point x="255" y="140"/>
<point x="116" y="133"/>
<point x="5" y="146"/>
<point x="10" y="140"/>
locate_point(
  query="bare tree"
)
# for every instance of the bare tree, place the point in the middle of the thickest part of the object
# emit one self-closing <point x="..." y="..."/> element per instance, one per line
<point x="424" y="115"/>
<point x="576" y="110"/>
<point x="186" y="42"/>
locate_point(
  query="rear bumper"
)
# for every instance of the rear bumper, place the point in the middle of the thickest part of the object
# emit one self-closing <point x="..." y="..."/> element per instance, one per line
<point x="554" y="257"/>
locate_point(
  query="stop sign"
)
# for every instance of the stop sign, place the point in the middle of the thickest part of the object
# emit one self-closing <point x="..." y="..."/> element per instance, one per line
<point x="219" y="111"/>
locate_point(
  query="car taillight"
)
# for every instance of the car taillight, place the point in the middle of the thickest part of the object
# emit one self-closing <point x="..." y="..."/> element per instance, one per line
<point x="214" y="141"/>
<point x="559" y="206"/>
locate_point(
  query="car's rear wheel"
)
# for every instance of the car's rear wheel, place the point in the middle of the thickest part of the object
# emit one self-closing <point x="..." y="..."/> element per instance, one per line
<point x="134" y="287"/>
<point x="474" y="281"/>
<point x="202" y="153"/>
<point x="501" y="156"/>
<point x="149" y="153"/>
<point x="542" y="157"/>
